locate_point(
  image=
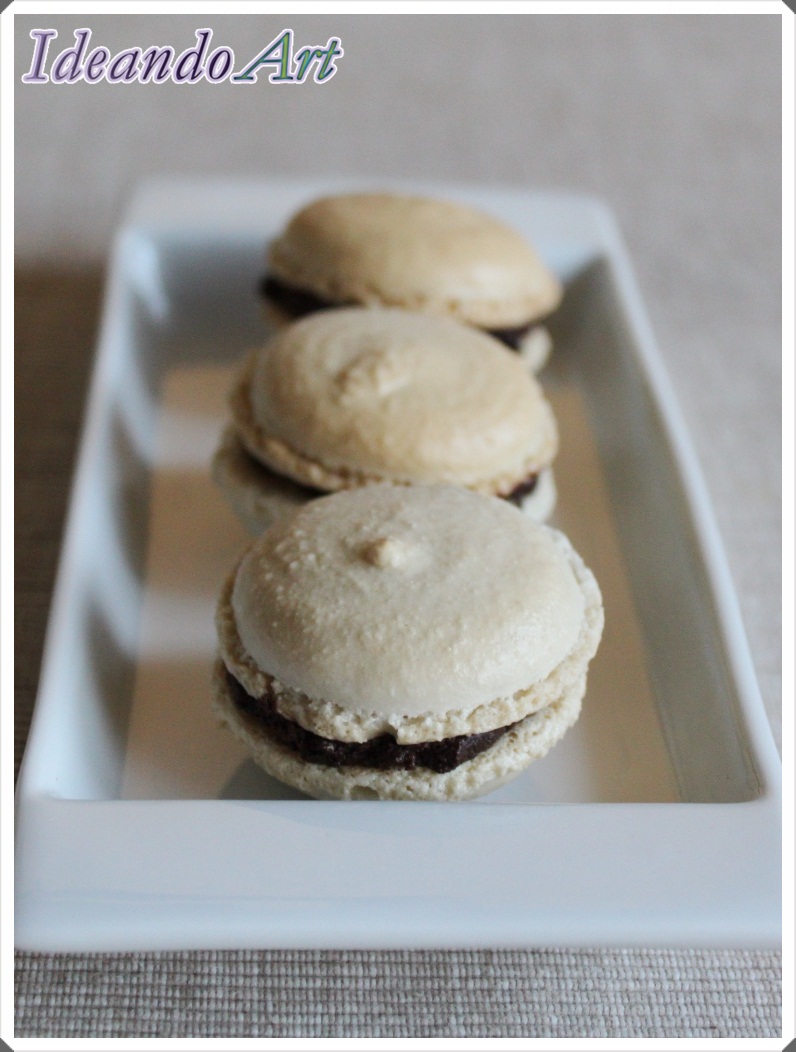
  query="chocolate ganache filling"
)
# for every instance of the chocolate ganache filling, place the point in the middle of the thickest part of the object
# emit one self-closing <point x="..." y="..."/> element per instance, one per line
<point x="383" y="752"/>
<point x="521" y="490"/>
<point x="298" y="302"/>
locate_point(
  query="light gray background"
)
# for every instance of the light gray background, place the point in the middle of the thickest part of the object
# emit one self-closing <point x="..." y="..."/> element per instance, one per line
<point x="673" y="120"/>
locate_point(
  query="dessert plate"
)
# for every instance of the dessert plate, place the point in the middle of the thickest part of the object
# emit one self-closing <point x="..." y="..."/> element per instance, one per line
<point x="142" y="826"/>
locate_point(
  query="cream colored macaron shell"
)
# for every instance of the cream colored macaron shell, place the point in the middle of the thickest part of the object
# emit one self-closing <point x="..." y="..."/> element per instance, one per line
<point x="528" y="740"/>
<point x="351" y="396"/>
<point x="259" y="497"/>
<point x="434" y="256"/>
<point x="407" y="602"/>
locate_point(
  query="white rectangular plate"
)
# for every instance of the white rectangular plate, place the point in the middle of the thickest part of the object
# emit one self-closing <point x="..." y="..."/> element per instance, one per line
<point x="142" y="825"/>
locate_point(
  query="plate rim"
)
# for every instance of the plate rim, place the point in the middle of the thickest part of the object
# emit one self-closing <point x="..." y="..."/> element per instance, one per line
<point x="36" y="812"/>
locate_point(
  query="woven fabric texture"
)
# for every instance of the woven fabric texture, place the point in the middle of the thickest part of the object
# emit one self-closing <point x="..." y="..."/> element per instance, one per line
<point x="480" y="993"/>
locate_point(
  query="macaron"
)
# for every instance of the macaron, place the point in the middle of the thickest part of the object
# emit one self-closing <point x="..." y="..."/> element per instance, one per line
<point x="349" y="397"/>
<point x="423" y="643"/>
<point x="438" y="257"/>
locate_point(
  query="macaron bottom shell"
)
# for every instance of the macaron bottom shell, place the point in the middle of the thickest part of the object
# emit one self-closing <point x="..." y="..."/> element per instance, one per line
<point x="529" y="740"/>
<point x="260" y="497"/>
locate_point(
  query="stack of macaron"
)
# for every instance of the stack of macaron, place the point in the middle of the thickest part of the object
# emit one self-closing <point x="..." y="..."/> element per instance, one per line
<point x="422" y="642"/>
<point x="404" y="626"/>
<point x="352" y="396"/>
<point x="417" y="254"/>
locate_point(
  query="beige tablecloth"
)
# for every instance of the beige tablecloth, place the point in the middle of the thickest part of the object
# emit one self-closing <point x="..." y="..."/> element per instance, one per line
<point x="674" y="121"/>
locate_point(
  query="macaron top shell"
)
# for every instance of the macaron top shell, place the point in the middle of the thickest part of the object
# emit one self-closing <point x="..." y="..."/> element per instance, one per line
<point x="434" y="256"/>
<point x="407" y="600"/>
<point x="400" y="396"/>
